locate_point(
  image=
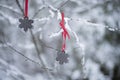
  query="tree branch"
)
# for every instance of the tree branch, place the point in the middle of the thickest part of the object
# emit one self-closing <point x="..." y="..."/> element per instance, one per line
<point x="11" y="47"/>
<point x="20" y="6"/>
<point x="37" y="49"/>
<point x="62" y="4"/>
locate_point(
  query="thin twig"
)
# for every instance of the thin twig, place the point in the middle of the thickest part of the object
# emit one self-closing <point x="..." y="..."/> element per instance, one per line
<point x="19" y="6"/>
<point x="38" y="52"/>
<point x="22" y="54"/>
<point x="42" y="43"/>
<point x="11" y="47"/>
<point x="36" y="13"/>
<point x="62" y="4"/>
<point x="37" y="49"/>
<point x="28" y="58"/>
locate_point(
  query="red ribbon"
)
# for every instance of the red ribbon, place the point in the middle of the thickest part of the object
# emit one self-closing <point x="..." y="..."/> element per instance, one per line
<point x="64" y="33"/>
<point x="26" y="8"/>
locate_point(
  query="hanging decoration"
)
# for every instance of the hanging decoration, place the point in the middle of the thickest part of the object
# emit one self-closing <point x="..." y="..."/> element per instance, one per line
<point x="25" y="23"/>
<point x="62" y="57"/>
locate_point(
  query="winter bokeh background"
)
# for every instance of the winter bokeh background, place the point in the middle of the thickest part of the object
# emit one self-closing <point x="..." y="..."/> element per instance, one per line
<point x="94" y="46"/>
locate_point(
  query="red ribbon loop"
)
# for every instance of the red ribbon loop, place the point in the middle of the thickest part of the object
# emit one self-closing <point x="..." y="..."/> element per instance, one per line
<point x="64" y="33"/>
<point x="26" y="8"/>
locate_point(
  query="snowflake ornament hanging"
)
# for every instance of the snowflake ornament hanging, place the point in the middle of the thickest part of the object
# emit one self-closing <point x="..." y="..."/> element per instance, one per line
<point x="62" y="57"/>
<point x="25" y="23"/>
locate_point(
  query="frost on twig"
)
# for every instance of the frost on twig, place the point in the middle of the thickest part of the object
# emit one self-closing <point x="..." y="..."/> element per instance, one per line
<point x="88" y="22"/>
<point x="112" y="29"/>
<point x="63" y="3"/>
<point x="75" y="36"/>
<point x="52" y="8"/>
<point x="52" y="11"/>
<point x="79" y="45"/>
<point x="46" y="18"/>
<point x="60" y="31"/>
<point x="36" y="13"/>
<point x="56" y="34"/>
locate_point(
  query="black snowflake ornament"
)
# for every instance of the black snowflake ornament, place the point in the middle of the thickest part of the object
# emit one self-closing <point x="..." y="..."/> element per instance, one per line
<point x="62" y="57"/>
<point x="25" y="23"/>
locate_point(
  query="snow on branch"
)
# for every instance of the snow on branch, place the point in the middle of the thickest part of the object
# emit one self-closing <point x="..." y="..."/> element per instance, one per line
<point x="79" y="45"/>
<point x="94" y="24"/>
<point x="56" y="34"/>
<point x="53" y="10"/>
<point x="52" y="14"/>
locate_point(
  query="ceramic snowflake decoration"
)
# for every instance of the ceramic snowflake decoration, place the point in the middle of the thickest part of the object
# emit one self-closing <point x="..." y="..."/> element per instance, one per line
<point x="26" y="23"/>
<point x="62" y="57"/>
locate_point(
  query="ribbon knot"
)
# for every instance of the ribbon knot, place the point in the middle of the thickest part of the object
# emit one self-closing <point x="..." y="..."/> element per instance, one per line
<point x="64" y="33"/>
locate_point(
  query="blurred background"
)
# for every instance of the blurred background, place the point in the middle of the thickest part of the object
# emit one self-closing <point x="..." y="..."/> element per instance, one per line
<point x="31" y="55"/>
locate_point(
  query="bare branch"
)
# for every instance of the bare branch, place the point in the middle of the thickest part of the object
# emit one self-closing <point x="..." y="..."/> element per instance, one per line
<point x="42" y="43"/>
<point x="62" y="4"/>
<point x="19" y="6"/>
<point x="36" y="13"/>
<point x="94" y="24"/>
<point x="29" y="59"/>
<point x="38" y="52"/>
<point x="9" y="8"/>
